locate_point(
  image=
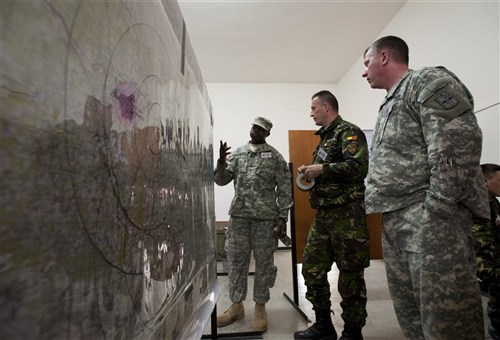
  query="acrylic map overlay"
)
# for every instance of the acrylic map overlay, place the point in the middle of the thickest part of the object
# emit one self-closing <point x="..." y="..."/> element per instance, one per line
<point x="107" y="212"/>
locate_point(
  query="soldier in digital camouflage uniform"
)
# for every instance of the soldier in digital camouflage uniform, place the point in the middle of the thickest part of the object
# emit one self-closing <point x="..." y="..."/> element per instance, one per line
<point x="338" y="232"/>
<point x="487" y="246"/>
<point x="263" y="197"/>
<point x="425" y="178"/>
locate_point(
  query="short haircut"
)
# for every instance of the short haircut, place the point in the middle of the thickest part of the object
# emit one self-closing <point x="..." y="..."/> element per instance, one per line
<point x="396" y="46"/>
<point x="328" y="97"/>
<point x="489" y="169"/>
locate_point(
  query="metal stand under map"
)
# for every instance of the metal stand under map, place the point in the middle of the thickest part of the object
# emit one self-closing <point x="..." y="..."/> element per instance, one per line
<point x="295" y="301"/>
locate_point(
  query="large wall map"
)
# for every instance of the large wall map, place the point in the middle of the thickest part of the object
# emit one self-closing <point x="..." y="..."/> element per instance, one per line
<point x="107" y="212"/>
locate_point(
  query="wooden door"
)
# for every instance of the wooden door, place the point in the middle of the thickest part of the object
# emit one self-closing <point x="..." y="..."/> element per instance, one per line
<point x="374" y="222"/>
<point x="301" y="144"/>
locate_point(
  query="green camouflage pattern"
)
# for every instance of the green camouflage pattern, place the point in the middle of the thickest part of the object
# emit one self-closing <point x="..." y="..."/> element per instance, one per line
<point x="262" y="182"/>
<point x="345" y="166"/>
<point x="487" y="246"/>
<point x="243" y="236"/>
<point x="338" y="235"/>
<point x="339" y="232"/>
<point x="425" y="177"/>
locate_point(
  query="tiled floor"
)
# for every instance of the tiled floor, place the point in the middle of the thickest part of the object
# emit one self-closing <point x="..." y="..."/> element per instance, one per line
<point x="284" y="319"/>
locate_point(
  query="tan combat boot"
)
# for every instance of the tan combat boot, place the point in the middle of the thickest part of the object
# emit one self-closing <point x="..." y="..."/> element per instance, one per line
<point x="235" y="312"/>
<point x="260" y="318"/>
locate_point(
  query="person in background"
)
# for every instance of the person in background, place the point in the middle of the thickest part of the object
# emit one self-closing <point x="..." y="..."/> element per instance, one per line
<point x="258" y="216"/>
<point x="338" y="232"/>
<point x="487" y="246"/>
<point x="425" y="178"/>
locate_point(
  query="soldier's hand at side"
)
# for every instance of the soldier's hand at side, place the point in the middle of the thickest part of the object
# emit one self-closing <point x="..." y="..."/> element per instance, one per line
<point x="223" y="152"/>
<point x="279" y="227"/>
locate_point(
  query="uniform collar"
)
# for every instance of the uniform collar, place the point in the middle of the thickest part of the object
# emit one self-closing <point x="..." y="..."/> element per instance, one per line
<point x="395" y="87"/>
<point x="258" y="147"/>
<point x="330" y="126"/>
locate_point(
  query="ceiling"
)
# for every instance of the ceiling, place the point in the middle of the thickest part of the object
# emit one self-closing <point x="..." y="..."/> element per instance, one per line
<point x="277" y="41"/>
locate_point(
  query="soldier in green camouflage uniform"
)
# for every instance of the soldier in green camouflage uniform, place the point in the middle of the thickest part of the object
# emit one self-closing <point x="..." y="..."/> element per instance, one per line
<point x="425" y="178"/>
<point x="259" y="211"/>
<point x="339" y="232"/>
<point x="487" y="246"/>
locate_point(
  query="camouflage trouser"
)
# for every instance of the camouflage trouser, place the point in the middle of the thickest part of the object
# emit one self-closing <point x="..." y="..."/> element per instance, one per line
<point x="338" y="235"/>
<point x="243" y="236"/>
<point x="488" y="267"/>
<point x="493" y="308"/>
<point x="431" y="271"/>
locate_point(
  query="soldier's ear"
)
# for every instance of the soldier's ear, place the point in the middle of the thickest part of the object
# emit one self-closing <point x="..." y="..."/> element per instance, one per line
<point x="384" y="57"/>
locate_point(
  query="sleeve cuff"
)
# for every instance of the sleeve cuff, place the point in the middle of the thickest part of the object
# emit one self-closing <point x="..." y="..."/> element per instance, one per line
<point x="438" y="207"/>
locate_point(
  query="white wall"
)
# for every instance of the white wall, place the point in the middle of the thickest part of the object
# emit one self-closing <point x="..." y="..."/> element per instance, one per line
<point x="463" y="36"/>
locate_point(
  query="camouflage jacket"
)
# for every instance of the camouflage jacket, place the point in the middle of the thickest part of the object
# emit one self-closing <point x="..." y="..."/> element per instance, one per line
<point x="262" y="182"/>
<point x="487" y="240"/>
<point x="344" y="154"/>
<point x="426" y="147"/>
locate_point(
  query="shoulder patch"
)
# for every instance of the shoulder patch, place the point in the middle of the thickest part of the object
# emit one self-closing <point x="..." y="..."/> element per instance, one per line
<point x="351" y="148"/>
<point x="352" y="138"/>
<point x="446" y="100"/>
<point x="445" y="97"/>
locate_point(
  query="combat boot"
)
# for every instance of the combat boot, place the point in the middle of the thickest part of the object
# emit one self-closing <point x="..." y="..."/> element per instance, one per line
<point x="260" y="318"/>
<point x="351" y="333"/>
<point x="235" y="312"/>
<point x="322" y="330"/>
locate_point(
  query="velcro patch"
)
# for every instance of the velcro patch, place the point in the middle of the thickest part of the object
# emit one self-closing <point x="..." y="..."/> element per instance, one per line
<point x="446" y="100"/>
<point x="352" y="138"/>
<point x="352" y="147"/>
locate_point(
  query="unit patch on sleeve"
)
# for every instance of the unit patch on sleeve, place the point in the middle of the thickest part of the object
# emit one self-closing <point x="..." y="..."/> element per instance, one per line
<point x="446" y="100"/>
<point x="352" y="147"/>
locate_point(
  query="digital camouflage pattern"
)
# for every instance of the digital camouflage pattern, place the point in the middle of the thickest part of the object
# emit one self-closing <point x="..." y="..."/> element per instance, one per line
<point x="339" y="232"/>
<point x="345" y="166"/>
<point x="427" y="147"/>
<point x="426" y="178"/>
<point x="487" y="246"/>
<point x="338" y="235"/>
<point x="262" y="182"/>
<point x="433" y="283"/>
<point x="263" y="192"/>
<point x="242" y="236"/>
